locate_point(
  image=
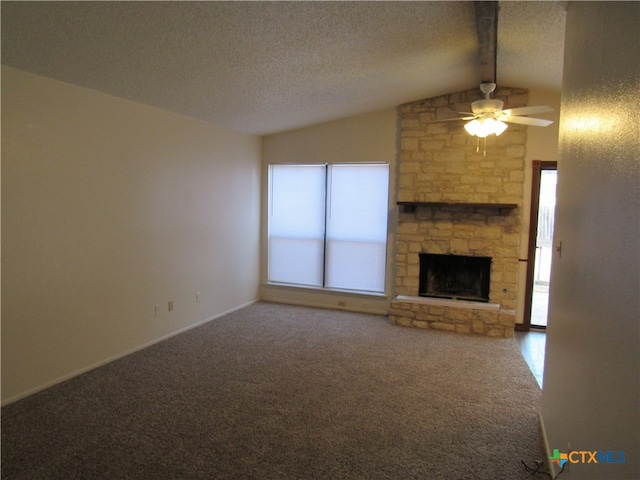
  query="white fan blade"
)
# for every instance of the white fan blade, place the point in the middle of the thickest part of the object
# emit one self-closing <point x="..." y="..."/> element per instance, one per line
<point x="528" y="110"/>
<point x="450" y="119"/>
<point x="536" y="122"/>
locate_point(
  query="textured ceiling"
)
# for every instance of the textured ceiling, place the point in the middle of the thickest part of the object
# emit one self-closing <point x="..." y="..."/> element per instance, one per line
<point x="264" y="67"/>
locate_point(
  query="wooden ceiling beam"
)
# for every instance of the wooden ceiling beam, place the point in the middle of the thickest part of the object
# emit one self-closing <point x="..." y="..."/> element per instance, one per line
<point x="487" y="29"/>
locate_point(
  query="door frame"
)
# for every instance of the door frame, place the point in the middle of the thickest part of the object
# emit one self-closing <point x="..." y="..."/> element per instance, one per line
<point x="538" y="167"/>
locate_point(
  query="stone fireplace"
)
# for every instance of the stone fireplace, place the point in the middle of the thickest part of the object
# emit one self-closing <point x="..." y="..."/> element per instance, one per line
<point x="460" y="198"/>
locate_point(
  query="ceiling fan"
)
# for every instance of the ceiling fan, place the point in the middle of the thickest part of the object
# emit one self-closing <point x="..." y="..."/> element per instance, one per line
<point x="488" y="117"/>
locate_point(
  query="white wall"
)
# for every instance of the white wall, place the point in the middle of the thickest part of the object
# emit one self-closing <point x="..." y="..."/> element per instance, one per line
<point x="364" y="138"/>
<point x="591" y="396"/>
<point x="109" y="208"/>
<point x="542" y="142"/>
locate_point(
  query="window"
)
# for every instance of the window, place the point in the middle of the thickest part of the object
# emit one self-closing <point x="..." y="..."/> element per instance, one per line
<point x="328" y="225"/>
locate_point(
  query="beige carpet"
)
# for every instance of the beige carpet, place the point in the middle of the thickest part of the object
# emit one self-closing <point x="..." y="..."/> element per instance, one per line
<point x="274" y="391"/>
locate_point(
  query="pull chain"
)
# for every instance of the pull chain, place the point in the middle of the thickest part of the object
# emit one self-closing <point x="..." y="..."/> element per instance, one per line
<point x="484" y="151"/>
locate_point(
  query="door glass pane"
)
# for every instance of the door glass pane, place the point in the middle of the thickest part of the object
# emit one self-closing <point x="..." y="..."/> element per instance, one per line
<point x="544" y="243"/>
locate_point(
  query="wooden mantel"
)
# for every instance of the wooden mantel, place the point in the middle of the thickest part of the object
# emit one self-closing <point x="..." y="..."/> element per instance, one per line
<point x="410" y="207"/>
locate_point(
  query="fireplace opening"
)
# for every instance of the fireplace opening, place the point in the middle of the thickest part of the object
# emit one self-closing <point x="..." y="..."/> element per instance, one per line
<point x="454" y="276"/>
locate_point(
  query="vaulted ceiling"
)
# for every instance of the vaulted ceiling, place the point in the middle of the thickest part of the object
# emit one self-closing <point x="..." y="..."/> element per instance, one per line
<point x="264" y="67"/>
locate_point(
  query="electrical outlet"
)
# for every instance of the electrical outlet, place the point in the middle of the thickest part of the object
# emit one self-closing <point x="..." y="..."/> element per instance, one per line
<point x="170" y="306"/>
<point x="158" y="307"/>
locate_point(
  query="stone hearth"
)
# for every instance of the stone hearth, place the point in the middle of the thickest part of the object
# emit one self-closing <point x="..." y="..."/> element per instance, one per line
<point x="463" y="202"/>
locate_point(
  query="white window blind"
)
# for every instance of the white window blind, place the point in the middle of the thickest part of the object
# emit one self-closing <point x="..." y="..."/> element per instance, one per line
<point x="328" y="225"/>
<point x="356" y="245"/>
<point x="296" y="224"/>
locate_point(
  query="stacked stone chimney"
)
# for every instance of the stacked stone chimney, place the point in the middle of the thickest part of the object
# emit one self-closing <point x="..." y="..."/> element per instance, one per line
<point x="459" y="196"/>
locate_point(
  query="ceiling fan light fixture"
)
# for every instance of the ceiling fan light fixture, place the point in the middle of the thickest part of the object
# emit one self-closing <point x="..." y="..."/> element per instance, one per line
<point x="473" y="127"/>
<point x="499" y="127"/>
<point x="485" y="126"/>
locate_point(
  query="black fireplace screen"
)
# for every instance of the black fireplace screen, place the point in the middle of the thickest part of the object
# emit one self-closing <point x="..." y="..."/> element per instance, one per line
<point x="455" y="276"/>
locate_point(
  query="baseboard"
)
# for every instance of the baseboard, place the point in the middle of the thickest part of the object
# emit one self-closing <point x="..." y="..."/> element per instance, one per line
<point x="374" y="311"/>
<point x="120" y="355"/>
<point x="377" y="304"/>
<point x="547" y="450"/>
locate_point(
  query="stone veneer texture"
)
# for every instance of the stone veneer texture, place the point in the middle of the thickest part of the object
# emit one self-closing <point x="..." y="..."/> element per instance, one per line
<point x="441" y="163"/>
